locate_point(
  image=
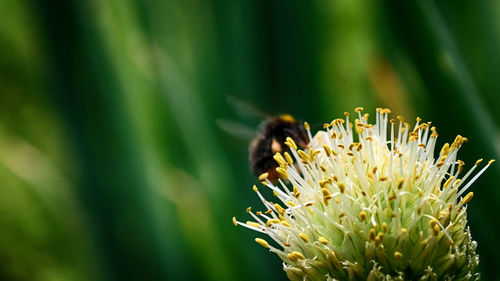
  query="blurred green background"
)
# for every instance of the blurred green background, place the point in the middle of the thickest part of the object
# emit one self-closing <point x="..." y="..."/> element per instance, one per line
<point x="112" y="166"/>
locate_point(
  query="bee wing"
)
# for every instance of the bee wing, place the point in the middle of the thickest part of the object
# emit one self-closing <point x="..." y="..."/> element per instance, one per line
<point x="236" y="129"/>
<point x="246" y="110"/>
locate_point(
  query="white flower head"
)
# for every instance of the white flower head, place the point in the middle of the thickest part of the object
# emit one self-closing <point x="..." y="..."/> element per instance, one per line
<point x="370" y="202"/>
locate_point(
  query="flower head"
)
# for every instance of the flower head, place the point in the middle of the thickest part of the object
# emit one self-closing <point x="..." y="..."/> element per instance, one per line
<point x="370" y="202"/>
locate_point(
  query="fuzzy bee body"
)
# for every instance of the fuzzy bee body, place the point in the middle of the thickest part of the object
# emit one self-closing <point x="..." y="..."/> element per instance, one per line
<point x="270" y="140"/>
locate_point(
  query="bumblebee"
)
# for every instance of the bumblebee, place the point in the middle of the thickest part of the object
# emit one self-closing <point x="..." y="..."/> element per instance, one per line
<point x="270" y="140"/>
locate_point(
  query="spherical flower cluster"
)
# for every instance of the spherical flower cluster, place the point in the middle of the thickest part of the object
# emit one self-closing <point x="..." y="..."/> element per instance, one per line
<point x="370" y="202"/>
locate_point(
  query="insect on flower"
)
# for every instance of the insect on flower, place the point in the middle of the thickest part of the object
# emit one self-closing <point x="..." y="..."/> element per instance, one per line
<point x="270" y="140"/>
<point x="370" y="202"/>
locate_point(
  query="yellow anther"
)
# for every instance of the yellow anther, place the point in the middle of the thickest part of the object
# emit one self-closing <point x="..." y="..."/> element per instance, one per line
<point x="400" y="118"/>
<point x="371" y="236"/>
<point x="303" y="155"/>
<point x="313" y="154"/>
<point x="258" y="213"/>
<point x="346" y="114"/>
<point x="323" y="240"/>
<point x="403" y="231"/>
<point x="306" y="126"/>
<point x="384" y="227"/>
<point x="419" y="119"/>
<point x="358" y="109"/>
<point x="252" y="223"/>
<point x="479" y="162"/>
<point x="379" y="239"/>
<point x="352" y="145"/>
<point x="279" y="209"/>
<point x="445" y="150"/>
<point x="279" y="159"/>
<point x="296" y="192"/>
<point x="491" y="161"/>
<point x="401" y="181"/>
<point x="360" y="147"/>
<point x="341" y="186"/>
<point x="326" y="125"/>
<point x="398" y="255"/>
<point x="285" y="223"/>
<point x="325" y="192"/>
<point x="255" y="188"/>
<point x="460" y="165"/>
<point x="392" y="197"/>
<point x="436" y="230"/>
<point x="290" y="203"/>
<point x="275" y="193"/>
<point x="272" y="221"/>
<point x="304" y="237"/>
<point x="235" y="222"/>
<point x="363" y="215"/>
<point x="468" y="197"/>
<point x="447" y="183"/>
<point x="327" y="149"/>
<point x="288" y="158"/>
<point x="249" y="209"/>
<point x="282" y="172"/>
<point x="263" y="176"/>
<point x="294" y="256"/>
<point x="262" y="242"/>
<point x="432" y="223"/>
<point x="365" y="116"/>
<point x="268" y="212"/>
<point x="291" y="143"/>
<point x="287" y="244"/>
